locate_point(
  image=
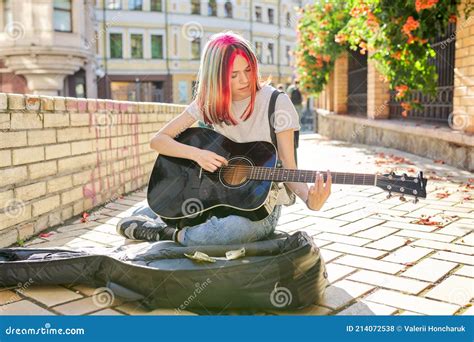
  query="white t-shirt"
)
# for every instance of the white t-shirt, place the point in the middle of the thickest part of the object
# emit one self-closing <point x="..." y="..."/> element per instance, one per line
<point x="256" y="127"/>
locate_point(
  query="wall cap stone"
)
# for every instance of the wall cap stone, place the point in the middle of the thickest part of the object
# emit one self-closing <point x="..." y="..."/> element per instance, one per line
<point x="422" y="129"/>
<point x="31" y="102"/>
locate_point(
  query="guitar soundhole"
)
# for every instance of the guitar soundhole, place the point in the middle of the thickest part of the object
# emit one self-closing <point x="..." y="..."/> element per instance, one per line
<point x="236" y="173"/>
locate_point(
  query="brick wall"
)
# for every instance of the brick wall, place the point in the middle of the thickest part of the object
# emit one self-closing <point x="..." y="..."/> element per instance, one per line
<point x="62" y="156"/>
<point x="341" y="83"/>
<point x="378" y="93"/>
<point x="463" y="101"/>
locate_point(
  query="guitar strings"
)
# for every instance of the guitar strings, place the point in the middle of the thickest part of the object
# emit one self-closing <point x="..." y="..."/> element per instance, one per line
<point x="243" y="169"/>
<point x="358" y="177"/>
<point x="409" y="190"/>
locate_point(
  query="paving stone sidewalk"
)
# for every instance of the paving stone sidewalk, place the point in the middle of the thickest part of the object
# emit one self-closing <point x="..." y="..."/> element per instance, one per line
<point x="384" y="256"/>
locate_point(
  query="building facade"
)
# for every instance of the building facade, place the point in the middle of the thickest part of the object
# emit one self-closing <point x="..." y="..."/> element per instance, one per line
<point x="149" y="50"/>
<point x="136" y="50"/>
<point x="45" y="47"/>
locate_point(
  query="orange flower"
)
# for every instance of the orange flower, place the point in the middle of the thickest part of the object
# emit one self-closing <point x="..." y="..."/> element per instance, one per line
<point x="397" y="55"/>
<point x="424" y="4"/>
<point x="412" y="39"/>
<point x="401" y="90"/>
<point x="406" y="106"/>
<point x="358" y="10"/>
<point x="319" y="64"/>
<point x="452" y="18"/>
<point x="327" y="7"/>
<point x="404" y="113"/>
<point x="340" y="38"/>
<point x="363" y="47"/>
<point x="410" y="25"/>
<point x="372" y="20"/>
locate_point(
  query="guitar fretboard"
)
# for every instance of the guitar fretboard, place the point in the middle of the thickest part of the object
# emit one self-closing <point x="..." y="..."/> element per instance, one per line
<point x="308" y="176"/>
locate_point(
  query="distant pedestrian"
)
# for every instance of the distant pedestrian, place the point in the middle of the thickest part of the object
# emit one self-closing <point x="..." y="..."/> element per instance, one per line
<point x="296" y="98"/>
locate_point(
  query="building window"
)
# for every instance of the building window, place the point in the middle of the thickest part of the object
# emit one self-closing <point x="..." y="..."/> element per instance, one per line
<point x="136" y="45"/>
<point x="114" y="4"/>
<point x="7" y="12"/>
<point x="135" y="5"/>
<point x="116" y="45"/>
<point x="196" y="48"/>
<point x="271" y="15"/>
<point x="212" y="8"/>
<point x="156" y="46"/>
<point x="195" y="6"/>
<point x="258" y="51"/>
<point x="228" y="9"/>
<point x="288" y="57"/>
<point x="258" y="14"/>
<point x="270" y="53"/>
<point x="62" y="15"/>
<point x="288" y="19"/>
<point x="155" y="6"/>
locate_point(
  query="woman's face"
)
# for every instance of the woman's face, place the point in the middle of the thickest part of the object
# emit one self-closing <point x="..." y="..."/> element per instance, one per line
<point x="240" y="79"/>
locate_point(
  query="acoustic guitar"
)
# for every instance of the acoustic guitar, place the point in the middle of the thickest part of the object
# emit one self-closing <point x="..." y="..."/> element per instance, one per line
<point x="184" y="194"/>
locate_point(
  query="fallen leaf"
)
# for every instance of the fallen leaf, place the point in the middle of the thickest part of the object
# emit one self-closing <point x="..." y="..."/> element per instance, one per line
<point x="46" y="235"/>
<point x="442" y="195"/>
<point x="438" y="161"/>
<point x="85" y="217"/>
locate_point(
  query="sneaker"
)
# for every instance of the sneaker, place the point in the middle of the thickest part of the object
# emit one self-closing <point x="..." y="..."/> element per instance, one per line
<point x="140" y="228"/>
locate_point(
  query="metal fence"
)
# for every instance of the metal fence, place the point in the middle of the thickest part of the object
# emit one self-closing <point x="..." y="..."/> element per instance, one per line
<point x="438" y="108"/>
<point x="357" y="84"/>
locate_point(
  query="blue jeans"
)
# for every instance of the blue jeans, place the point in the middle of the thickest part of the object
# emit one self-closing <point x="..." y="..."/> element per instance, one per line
<point x="228" y="230"/>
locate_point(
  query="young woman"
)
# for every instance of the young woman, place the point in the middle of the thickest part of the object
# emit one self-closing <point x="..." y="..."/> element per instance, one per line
<point x="231" y="97"/>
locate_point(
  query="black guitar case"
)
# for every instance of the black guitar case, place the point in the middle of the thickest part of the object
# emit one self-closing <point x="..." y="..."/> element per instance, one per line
<point x="283" y="272"/>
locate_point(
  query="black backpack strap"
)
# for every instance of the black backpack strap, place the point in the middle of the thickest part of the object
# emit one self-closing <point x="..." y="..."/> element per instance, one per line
<point x="271" y="117"/>
<point x="271" y="120"/>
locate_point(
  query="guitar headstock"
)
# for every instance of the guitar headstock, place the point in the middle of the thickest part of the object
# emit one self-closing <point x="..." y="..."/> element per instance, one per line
<point x="403" y="184"/>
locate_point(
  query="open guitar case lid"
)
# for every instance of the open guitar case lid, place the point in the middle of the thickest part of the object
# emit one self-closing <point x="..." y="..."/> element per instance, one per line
<point x="283" y="272"/>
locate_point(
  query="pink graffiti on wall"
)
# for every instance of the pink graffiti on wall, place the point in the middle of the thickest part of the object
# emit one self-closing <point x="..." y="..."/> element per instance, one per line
<point x="116" y="156"/>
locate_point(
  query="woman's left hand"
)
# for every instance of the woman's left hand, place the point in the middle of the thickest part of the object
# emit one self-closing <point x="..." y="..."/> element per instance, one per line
<point x="319" y="192"/>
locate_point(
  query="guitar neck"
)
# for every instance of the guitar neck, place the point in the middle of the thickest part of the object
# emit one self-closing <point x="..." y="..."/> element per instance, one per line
<point x="308" y="176"/>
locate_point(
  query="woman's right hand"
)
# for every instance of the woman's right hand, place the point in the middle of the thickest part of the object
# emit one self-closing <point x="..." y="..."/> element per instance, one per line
<point x="209" y="160"/>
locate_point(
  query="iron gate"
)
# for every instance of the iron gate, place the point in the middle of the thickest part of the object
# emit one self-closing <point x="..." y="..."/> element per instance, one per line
<point x="438" y="108"/>
<point x="357" y="84"/>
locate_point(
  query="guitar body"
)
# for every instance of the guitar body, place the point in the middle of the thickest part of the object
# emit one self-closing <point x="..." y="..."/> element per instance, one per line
<point x="183" y="194"/>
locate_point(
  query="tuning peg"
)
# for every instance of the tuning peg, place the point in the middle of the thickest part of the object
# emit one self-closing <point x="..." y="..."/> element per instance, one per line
<point x="389" y="195"/>
<point x="403" y="199"/>
<point x="415" y="200"/>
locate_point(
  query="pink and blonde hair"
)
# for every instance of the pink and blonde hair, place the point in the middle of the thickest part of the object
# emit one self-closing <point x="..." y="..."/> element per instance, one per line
<point x="214" y="93"/>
